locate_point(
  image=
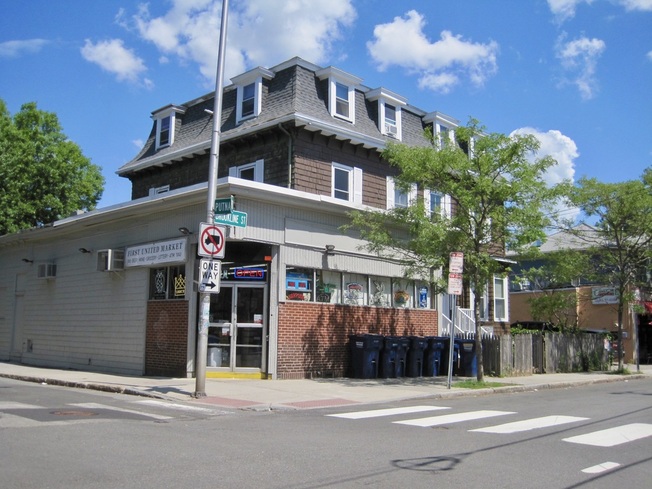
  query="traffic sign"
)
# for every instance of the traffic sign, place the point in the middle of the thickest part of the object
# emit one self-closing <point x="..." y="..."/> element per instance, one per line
<point x="223" y="206"/>
<point x="235" y="218"/>
<point x="210" y="272"/>
<point x="211" y="240"/>
<point x="456" y="262"/>
<point x="455" y="283"/>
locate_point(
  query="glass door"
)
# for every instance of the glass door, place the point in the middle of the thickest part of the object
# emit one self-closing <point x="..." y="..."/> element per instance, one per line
<point x="237" y="327"/>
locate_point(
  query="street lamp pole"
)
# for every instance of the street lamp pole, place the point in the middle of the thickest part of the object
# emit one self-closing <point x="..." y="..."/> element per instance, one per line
<point x="213" y="163"/>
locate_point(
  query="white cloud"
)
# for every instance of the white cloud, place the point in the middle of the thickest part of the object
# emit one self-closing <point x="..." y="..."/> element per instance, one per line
<point x="579" y="59"/>
<point x="14" y="49"/>
<point x="564" y="150"/>
<point x="113" y="57"/>
<point x="260" y="32"/>
<point x="440" y="65"/>
<point x="564" y="10"/>
<point x="642" y="5"/>
<point x="649" y="55"/>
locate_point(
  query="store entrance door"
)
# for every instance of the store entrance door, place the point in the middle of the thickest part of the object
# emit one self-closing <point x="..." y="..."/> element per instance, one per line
<point x="237" y="327"/>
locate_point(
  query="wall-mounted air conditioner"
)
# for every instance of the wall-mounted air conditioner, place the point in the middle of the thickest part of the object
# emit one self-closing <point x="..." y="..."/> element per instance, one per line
<point x="46" y="270"/>
<point x="110" y="260"/>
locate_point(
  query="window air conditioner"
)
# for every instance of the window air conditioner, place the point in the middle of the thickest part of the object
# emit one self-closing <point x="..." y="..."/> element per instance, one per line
<point x="110" y="260"/>
<point x="391" y="130"/>
<point x="46" y="270"/>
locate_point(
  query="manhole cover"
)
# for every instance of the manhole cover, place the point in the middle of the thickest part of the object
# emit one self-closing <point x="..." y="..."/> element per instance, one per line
<point x="74" y="413"/>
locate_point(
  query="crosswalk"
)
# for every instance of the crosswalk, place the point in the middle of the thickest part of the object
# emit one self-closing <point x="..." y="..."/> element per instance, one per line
<point x="414" y="416"/>
<point x="25" y="415"/>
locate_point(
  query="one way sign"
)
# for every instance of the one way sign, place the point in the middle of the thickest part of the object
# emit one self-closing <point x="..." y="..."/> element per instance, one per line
<point x="209" y="276"/>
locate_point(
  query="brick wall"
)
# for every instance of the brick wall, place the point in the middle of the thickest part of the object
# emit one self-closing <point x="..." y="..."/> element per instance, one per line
<point x="166" y="338"/>
<point x="313" y="338"/>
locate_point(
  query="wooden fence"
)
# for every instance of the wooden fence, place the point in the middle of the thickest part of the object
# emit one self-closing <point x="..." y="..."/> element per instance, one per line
<point x="527" y="354"/>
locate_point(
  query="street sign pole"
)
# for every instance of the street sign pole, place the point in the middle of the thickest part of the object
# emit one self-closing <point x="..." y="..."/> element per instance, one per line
<point x="455" y="287"/>
<point x="213" y="163"/>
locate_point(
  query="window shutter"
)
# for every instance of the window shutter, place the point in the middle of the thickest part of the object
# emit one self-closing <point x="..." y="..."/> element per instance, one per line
<point x="390" y="193"/>
<point x="357" y="185"/>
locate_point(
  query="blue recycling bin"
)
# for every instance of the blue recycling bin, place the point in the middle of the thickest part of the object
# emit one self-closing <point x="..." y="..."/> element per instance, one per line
<point x="445" y="355"/>
<point x="365" y="355"/>
<point x="415" y="356"/>
<point x="468" y="365"/>
<point x="393" y="356"/>
<point x="434" y="356"/>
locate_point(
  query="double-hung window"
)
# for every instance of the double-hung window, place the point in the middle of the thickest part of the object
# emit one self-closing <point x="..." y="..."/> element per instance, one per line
<point x="341" y="92"/>
<point x="500" y="298"/>
<point x="251" y="171"/>
<point x="398" y="197"/>
<point x="389" y="111"/>
<point x="437" y="204"/>
<point x="165" y="122"/>
<point x="346" y="183"/>
<point x="249" y="93"/>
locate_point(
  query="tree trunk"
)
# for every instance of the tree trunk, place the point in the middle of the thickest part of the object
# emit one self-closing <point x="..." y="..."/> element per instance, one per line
<point x="478" y="337"/>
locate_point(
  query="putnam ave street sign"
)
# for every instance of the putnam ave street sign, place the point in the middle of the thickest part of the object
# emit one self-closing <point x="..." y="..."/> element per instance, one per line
<point x="210" y="272"/>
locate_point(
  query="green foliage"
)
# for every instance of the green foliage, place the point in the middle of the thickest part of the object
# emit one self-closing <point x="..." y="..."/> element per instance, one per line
<point x="43" y="175"/>
<point x="500" y="200"/>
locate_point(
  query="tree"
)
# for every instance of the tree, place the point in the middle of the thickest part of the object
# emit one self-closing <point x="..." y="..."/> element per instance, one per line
<point x="500" y="200"/>
<point x="43" y="175"/>
<point x="621" y="244"/>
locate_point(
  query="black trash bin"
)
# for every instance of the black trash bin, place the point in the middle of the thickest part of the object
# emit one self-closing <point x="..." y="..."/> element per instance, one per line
<point x="389" y="357"/>
<point x="434" y="355"/>
<point x="445" y="356"/>
<point x="401" y="357"/>
<point x="468" y="358"/>
<point x="415" y="360"/>
<point x="365" y="353"/>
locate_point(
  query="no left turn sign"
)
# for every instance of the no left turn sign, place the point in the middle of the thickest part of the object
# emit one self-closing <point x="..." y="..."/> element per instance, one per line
<point x="211" y="241"/>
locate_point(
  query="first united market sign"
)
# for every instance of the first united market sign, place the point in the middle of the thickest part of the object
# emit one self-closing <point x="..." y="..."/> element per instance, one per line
<point x="161" y="252"/>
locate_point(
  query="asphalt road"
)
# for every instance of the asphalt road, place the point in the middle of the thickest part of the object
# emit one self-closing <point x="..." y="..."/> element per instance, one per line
<point x="595" y="436"/>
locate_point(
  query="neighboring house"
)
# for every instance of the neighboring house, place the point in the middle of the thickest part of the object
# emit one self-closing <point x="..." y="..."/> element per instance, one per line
<point x="116" y="289"/>
<point x="596" y="303"/>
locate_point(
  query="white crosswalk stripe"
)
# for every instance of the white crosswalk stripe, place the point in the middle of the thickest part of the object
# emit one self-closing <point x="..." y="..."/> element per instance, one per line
<point x="530" y="424"/>
<point x="453" y="418"/>
<point x="376" y="413"/>
<point x="614" y="436"/>
<point x="603" y="467"/>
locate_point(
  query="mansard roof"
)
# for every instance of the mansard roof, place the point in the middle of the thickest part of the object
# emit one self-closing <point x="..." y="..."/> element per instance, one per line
<point x="295" y="93"/>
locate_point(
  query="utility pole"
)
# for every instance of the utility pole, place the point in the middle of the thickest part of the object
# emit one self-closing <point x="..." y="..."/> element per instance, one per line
<point x="213" y="163"/>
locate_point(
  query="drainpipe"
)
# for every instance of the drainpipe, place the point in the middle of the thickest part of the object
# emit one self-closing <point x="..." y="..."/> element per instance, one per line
<point x="290" y="140"/>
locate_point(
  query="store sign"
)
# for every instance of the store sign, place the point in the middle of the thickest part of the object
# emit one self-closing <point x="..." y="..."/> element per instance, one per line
<point x="158" y="253"/>
<point x="249" y="273"/>
<point x="604" y="295"/>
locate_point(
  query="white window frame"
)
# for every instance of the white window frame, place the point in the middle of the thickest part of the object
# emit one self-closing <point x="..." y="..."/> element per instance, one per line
<point x="445" y="199"/>
<point x="254" y="77"/>
<point x="354" y="183"/>
<point x="258" y="167"/>
<point x="391" y="194"/>
<point x="384" y="98"/>
<point x="166" y="113"/>
<point x="505" y="298"/>
<point x="439" y="120"/>
<point x="336" y="76"/>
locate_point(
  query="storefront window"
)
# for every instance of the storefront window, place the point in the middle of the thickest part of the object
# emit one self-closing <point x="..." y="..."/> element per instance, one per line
<point x="299" y="284"/>
<point x="380" y="292"/>
<point x="355" y="289"/>
<point x="329" y="286"/>
<point x="167" y="282"/>
<point x="402" y="293"/>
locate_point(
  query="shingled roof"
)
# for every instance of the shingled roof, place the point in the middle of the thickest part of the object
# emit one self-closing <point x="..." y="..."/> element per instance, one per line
<point x="295" y="95"/>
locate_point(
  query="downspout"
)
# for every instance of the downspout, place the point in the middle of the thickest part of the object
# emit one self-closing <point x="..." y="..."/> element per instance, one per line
<point x="290" y="141"/>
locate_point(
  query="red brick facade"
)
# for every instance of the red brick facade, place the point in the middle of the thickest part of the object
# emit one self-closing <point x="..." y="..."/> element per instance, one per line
<point x="166" y="338"/>
<point x="313" y="338"/>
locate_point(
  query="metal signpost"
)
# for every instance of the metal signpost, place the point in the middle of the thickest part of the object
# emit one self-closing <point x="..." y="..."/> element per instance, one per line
<point x="213" y="163"/>
<point x="455" y="286"/>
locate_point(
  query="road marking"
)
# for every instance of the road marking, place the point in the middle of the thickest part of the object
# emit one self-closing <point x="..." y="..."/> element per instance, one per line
<point x="530" y="424"/>
<point x="614" y="436"/>
<point x="180" y="407"/>
<point x="93" y="405"/>
<point x="376" y="413"/>
<point x="453" y="418"/>
<point x="18" y="405"/>
<point x="597" y="469"/>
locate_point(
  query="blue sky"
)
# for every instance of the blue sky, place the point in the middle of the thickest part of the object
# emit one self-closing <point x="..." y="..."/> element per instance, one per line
<point x="577" y="73"/>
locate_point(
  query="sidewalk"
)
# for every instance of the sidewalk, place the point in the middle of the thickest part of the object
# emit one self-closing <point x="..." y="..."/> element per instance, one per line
<point x="299" y="394"/>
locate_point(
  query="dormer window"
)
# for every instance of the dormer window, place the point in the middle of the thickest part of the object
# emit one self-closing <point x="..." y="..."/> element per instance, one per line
<point x="341" y="92"/>
<point x="165" y="123"/>
<point x="249" y="93"/>
<point x="443" y="128"/>
<point x="389" y="111"/>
